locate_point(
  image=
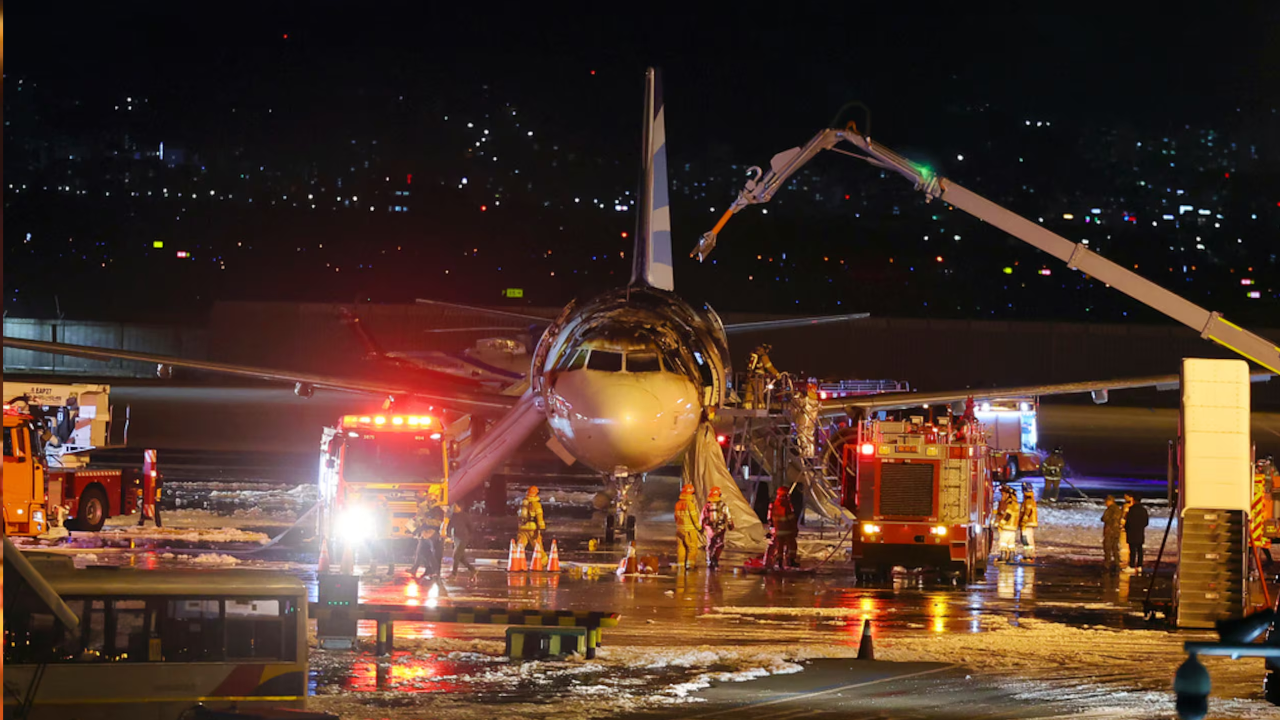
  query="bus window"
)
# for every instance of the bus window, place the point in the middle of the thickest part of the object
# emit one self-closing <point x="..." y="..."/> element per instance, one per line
<point x="191" y="631"/>
<point x="605" y="360"/>
<point x="643" y="362"/>
<point x="254" y="629"/>
<point x="95" y="631"/>
<point x="30" y="631"/>
<point x="69" y="646"/>
<point x="130" y="632"/>
<point x="579" y="360"/>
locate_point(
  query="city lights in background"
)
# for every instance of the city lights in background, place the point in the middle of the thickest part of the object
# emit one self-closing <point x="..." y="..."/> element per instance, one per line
<point x="490" y="160"/>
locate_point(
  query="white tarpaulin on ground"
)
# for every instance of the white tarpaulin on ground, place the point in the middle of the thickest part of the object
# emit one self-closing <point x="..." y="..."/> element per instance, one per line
<point x="704" y="467"/>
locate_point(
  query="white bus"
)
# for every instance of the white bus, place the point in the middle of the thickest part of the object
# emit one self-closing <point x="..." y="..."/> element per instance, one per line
<point x="154" y="643"/>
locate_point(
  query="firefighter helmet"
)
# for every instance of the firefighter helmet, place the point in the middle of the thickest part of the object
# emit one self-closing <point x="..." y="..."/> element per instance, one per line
<point x="782" y="492"/>
<point x="686" y="490"/>
<point x="533" y="491"/>
<point x="715" y="493"/>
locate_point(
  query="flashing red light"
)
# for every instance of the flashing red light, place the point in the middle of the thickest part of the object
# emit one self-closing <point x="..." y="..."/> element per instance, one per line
<point x="624" y="235"/>
<point x="1226" y="175"/>
<point x="408" y="179"/>
<point x="286" y="36"/>
<point x="593" y="72"/>
<point x="939" y="258"/>
<point x="722" y="439"/>
<point x="846" y="197"/>
<point x="867" y="449"/>
<point x="484" y="208"/>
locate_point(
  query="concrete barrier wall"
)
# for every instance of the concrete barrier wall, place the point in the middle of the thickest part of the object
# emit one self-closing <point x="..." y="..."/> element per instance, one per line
<point x="159" y="339"/>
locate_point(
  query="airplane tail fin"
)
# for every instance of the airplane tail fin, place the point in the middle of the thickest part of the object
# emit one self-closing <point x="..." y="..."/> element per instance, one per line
<point x="371" y="347"/>
<point x="651" y="258"/>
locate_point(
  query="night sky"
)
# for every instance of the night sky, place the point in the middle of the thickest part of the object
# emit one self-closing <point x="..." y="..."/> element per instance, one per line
<point x="739" y="85"/>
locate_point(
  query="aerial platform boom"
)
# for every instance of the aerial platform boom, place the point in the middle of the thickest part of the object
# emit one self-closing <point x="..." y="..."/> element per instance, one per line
<point x="1210" y="325"/>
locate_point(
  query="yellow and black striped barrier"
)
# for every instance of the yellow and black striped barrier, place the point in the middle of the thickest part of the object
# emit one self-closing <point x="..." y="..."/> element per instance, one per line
<point x="534" y="643"/>
<point x="387" y="615"/>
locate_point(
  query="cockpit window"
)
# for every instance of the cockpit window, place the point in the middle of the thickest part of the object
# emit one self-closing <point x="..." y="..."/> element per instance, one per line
<point x="579" y="360"/>
<point x="673" y="362"/>
<point x="605" y="360"/>
<point x="643" y="362"/>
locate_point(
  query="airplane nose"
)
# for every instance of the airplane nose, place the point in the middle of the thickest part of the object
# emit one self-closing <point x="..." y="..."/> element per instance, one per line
<point x="624" y="423"/>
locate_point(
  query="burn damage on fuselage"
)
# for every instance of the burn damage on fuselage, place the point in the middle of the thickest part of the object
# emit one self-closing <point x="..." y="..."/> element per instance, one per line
<point x="626" y="377"/>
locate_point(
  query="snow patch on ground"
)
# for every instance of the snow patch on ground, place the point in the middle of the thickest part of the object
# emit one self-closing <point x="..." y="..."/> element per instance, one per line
<point x="207" y="559"/>
<point x="172" y="534"/>
<point x="620" y="680"/>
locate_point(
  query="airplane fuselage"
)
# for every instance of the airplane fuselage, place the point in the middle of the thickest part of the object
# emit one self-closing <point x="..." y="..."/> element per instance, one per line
<point x="626" y="377"/>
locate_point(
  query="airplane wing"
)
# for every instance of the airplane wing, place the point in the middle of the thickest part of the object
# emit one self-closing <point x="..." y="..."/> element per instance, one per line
<point x="448" y="397"/>
<point x="900" y="401"/>
<point x="792" y="322"/>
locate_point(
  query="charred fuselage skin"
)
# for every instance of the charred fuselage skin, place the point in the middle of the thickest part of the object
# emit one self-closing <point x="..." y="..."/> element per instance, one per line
<point x="626" y="377"/>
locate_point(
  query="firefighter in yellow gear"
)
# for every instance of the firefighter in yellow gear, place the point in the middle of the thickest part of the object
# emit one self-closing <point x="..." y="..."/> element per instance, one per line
<point x="688" y="529"/>
<point x="1028" y="521"/>
<point x="531" y="523"/>
<point x="759" y="369"/>
<point x="1007" y="524"/>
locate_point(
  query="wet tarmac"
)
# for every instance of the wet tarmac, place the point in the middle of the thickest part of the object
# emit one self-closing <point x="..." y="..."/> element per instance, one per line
<point x="1050" y="639"/>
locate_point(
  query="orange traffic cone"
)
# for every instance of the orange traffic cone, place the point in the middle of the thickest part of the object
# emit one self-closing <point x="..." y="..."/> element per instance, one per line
<point x="521" y="565"/>
<point x="553" y="565"/>
<point x="538" y="559"/>
<point x="630" y="563"/>
<point x="866" y="650"/>
<point x="511" y="557"/>
<point x="324" y="556"/>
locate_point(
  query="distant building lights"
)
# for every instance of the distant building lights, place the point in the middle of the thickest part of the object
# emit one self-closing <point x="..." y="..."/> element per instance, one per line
<point x="156" y="244"/>
<point x="1068" y="216"/>
<point x="1246" y="281"/>
<point x="1046" y="271"/>
<point x="1254" y="294"/>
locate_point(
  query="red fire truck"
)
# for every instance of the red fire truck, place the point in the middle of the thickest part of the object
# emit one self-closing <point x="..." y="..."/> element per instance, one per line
<point x="365" y="458"/>
<point x="48" y="432"/>
<point x="921" y="493"/>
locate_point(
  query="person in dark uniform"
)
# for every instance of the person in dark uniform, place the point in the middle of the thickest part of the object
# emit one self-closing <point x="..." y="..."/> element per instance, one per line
<point x="461" y="528"/>
<point x="1135" y="531"/>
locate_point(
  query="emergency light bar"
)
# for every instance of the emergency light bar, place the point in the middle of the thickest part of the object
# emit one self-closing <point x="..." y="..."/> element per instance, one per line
<point x="385" y="422"/>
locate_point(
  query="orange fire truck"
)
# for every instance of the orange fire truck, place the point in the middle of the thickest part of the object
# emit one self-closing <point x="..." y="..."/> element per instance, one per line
<point x="921" y="492"/>
<point x="48" y="432"/>
<point x="379" y="455"/>
<point x="1265" y="515"/>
